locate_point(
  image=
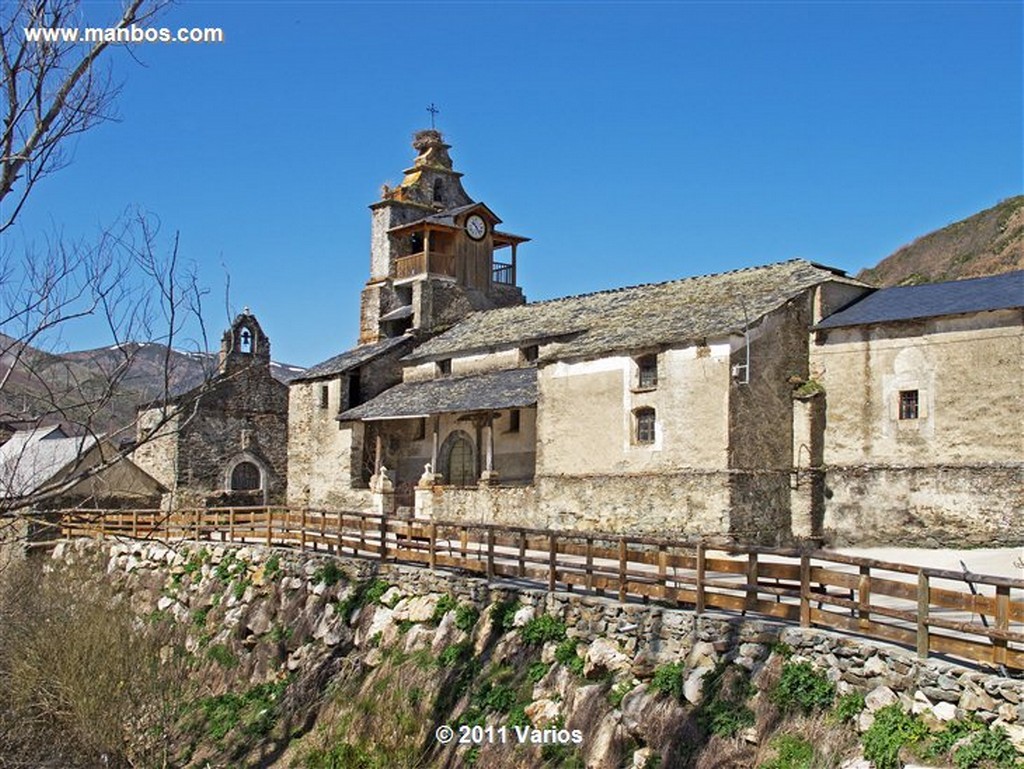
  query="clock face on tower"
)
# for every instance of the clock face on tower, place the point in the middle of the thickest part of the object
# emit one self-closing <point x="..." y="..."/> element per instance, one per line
<point x="476" y="227"/>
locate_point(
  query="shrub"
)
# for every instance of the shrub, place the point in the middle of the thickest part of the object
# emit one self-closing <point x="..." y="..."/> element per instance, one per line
<point x="503" y="613"/>
<point x="724" y="710"/>
<point x="668" y="679"/>
<point x="990" y="747"/>
<point x="329" y="574"/>
<point x="618" y="692"/>
<point x="272" y="568"/>
<point x="445" y="605"/>
<point x="802" y="688"/>
<point x="466" y="617"/>
<point x="891" y="730"/>
<point x="542" y="629"/>
<point x="565" y="653"/>
<point x="848" y="707"/>
<point x="537" y="671"/>
<point x="454" y="653"/>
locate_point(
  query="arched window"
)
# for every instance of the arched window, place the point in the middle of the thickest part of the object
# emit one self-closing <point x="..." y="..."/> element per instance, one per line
<point x="459" y="460"/>
<point x="245" y="341"/>
<point x="245" y="477"/>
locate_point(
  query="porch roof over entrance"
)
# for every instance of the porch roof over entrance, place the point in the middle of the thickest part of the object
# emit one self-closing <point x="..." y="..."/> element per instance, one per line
<point x="510" y="389"/>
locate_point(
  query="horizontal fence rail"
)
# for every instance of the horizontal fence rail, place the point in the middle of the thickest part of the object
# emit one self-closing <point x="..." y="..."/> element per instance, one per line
<point x="972" y="616"/>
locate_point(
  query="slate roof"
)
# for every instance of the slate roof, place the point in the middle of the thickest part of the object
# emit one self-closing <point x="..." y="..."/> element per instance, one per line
<point x="445" y="218"/>
<point x="31" y="458"/>
<point x="998" y="292"/>
<point x="638" y="317"/>
<point x="351" y="359"/>
<point x="509" y="389"/>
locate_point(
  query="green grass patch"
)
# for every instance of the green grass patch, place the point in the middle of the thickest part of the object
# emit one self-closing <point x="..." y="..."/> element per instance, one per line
<point x="222" y="655"/>
<point x="791" y="753"/>
<point x="253" y="712"/>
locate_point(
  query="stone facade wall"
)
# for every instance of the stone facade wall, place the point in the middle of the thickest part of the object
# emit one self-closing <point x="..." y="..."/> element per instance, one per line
<point x="954" y="474"/>
<point x="664" y="505"/>
<point x="931" y="506"/>
<point x="503" y="505"/>
<point x="761" y="423"/>
<point x="242" y="416"/>
<point x="586" y="414"/>
<point x="324" y="456"/>
<point x="968" y="373"/>
<point x="157" y="452"/>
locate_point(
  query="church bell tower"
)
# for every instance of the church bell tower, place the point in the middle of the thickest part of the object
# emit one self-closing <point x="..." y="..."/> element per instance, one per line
<point x="435" y="253"/>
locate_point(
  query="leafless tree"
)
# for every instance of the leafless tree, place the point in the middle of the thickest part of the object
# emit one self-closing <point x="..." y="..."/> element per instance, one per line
<point x="130" y="280"/>
<point x="53" y="90"/>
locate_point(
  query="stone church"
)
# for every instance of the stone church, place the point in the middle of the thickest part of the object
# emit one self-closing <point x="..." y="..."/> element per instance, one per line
<point x="225" y="441"/>
<point x="741" y="404"/>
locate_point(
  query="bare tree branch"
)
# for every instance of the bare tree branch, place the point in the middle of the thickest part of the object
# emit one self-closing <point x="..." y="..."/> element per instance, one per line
<point x="52" y="91"/>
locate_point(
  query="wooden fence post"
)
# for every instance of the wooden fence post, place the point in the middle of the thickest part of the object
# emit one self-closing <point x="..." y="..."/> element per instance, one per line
<point x="302" y="529"/>
<point x="622" y="569"/>
<point x="589" y="577"/>
<point x="552" y="561"/>
<point x="1002" y="623"/>
<point x="750" y="602"/>
<point x="195" y="525"/>
<point x="923" y="600"/>
<point x="231" y="524"/>
<point x="135" y="524"/>
<point x="522" y="553"/>
<point x="270" y="525"/>
<point x="490" y="553"/>
<point x="864" y="597"/>
<point x="805" y="590"/>
<point x="432" y="557"/>
<point x="701" y="566"/>
<point x="383" y="537"/>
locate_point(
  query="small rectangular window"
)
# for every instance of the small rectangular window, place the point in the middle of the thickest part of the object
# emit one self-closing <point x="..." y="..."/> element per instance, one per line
<point x="325" y="394"/>
<point x="513" y="421"/>
<point x="420" y="429"/>
<point x="909" y="405"/>
<point x="647" y="372"/>
<point x="529" y="354"/>
<point x="645" y="421"/>
<point x="444" y="367"/>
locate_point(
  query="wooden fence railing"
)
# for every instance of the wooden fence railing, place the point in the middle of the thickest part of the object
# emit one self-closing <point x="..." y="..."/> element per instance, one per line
<point x="973" y="616"/>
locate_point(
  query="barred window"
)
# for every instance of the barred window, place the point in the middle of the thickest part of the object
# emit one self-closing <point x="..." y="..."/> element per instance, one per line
<point x="645" y="421"/>
<point x="647" y="372"/>
<point x="909" y="404"/>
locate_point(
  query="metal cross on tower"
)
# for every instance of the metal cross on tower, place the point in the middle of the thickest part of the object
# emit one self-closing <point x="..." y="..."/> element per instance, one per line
<point x="433" y="113"/>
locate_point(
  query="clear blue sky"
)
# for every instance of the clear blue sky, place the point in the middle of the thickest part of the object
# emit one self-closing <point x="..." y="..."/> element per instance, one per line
<point x="632" y="142"/>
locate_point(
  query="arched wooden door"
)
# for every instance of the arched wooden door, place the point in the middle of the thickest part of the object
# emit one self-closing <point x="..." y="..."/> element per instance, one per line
<point x="461" y="467"/>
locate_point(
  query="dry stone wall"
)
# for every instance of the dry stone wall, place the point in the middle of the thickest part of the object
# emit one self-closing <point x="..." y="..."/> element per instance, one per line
<point x="351" y="625"/>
